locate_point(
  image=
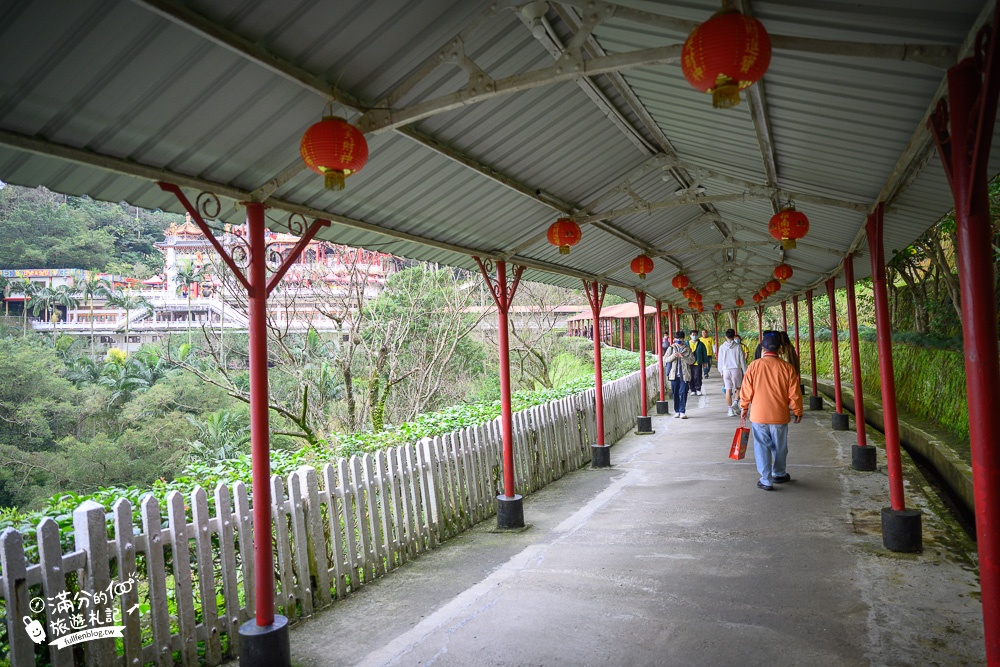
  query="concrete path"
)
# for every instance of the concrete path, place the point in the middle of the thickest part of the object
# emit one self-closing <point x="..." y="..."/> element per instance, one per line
<point x="674" y="557"/>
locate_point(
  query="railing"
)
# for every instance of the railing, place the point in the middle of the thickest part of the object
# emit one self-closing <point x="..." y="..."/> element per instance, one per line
<point x="178" y="590"/>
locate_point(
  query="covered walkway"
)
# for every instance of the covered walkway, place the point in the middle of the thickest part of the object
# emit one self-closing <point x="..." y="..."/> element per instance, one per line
<point x="674" y="557"/>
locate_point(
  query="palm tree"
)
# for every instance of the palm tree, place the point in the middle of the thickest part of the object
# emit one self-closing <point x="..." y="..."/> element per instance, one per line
<point x="28" y="289"/>
<point x="4" y="284"/>
<point x="41" y="300"/>
<point x="90" y="289"/>
<point x="187" y="276"/>
<point x="221" y="436"/>
<point x="125" y="299"/>
<point x="125" y="379"/>
<point x="65" y="296"/>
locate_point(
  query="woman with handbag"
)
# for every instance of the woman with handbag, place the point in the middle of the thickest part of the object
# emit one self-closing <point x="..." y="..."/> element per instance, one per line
<point x="680" y="358"/>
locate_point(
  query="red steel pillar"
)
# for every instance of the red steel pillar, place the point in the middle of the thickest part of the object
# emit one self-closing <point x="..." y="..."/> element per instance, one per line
<point x="815" y="400"/>
<point x="670" y="322"/>
<point x="600" y="453"/>
<point x="784" y="316"/>
<point x="644" y="421"/>
<point x="840" y="420"/>
<point x="264" y="640"/>
<point x="510" y="510"/>
<point x="760" y="323"/>
<point x="901" y="528"/>
<point x="795" y="316"/>
<point x="972" y="94"/>
<point x="862" y="456"/>
<point x="631" y="335"/>
<point x="661" y="405"/>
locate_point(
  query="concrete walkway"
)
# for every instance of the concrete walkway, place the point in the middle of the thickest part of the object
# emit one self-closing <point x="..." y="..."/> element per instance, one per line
<point x="674" y="557"/>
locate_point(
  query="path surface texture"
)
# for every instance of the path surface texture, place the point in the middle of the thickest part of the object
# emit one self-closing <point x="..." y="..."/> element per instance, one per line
<point x="673" y="556"/>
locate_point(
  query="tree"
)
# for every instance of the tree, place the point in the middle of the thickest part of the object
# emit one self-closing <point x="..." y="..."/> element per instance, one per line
<point x="29" y="290"/>
<point x="221" y="436"/>
<point x="94" y="288"/>
<point x="125" y="299"/>
<point x="65" y="296"/>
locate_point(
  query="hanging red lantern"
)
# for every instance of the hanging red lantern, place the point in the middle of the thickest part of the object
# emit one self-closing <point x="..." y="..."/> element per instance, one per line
<point x="689" y="293"/>
<point x="642" y="265"/>
<point x="782" y="272"/>
<point x="334" y="148"/>
<point x="698" y="297"/>
<point x="757" y="297"/>
<point x="787" y="225"/>
<point x="564" y="233"/>
<point x="693" y="305"/>
<point x="679" y="311"/>
<point x="773" y="286"/>
<point x="680" y="281"/>
<point x="700" y="308"/>
<point x="739" y="303"/>
<point x="724" y="55"/>
<point x="717" y="307"/>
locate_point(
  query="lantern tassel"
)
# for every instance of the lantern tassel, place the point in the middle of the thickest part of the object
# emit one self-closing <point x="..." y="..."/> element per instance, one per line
<point x="564" y="250"/>
<point x="787" y="244"/>
<point x="333" y="180"/>
<point x="726" y="95"/>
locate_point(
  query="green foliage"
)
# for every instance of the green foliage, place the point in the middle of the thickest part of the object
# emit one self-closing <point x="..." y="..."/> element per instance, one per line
<point x="930" y="382"/>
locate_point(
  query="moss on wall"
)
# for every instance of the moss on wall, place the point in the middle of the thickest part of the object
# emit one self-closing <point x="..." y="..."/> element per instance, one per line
<point x="930" y="383"/>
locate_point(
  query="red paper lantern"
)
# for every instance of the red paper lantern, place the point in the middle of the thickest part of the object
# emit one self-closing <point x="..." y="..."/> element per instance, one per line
<point x="772" y="286"/>
<point x="642" y="265"/>
<point x="739" y="303"/>
<point x="757" y="297"/>
<point x="693" y="305"/>
<point x="679" y="311"/>
<point x="787" y="225"/>
<point x="689" y="293"/>
<point x="698" y="297"/>
<point x="782" y="272"/>
<point x="724" y="55"/>
<point x="335" y="148"/>
<point x="700" y="308"/>
<point x="564" y="233"/>
<point x="717" y="307"/>
<point x="680" y="281"/>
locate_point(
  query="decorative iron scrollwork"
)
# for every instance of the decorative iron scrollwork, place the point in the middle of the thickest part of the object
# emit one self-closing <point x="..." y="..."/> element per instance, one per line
<point x="296" y="224"/>
<point x="208" y="205"/>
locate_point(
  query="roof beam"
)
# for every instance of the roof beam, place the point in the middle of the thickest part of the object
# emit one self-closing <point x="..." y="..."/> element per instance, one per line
<point x="134" y="169"/>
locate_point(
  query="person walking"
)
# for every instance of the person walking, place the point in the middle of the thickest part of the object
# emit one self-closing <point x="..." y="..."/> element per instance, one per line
<point x="770" y="388"/>
<point x="732" y="364"/>
<point x="698" y="362"/>
<point x="787" y="353"/>
<point x="709" y="350"/>
<point x="680" y="360"/>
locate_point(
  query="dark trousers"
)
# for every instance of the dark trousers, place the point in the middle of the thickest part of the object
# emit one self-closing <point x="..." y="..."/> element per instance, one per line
<point x="695" y="377"/>
<point x="680" y="390"/>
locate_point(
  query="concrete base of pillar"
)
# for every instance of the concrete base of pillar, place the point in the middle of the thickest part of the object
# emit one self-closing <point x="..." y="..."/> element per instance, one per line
<point x="815" y="402"/>
<point x="902" y="530"/>
<point x="600" y="456"/>
<point x="863" y="458"/>
<point x="841" y="421"/>
<point x="265" y="646"/>
<point x="644" y="426"/>
<point x="510" y="513"/>
<point x="663" y="407"/>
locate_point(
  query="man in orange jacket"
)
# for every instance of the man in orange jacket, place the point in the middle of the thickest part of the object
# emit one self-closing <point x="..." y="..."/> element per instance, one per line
<point x="770" y="387"/>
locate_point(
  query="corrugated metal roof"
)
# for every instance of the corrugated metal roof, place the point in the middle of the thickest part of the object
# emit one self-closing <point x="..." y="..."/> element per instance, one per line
<point x="102" y="97"/>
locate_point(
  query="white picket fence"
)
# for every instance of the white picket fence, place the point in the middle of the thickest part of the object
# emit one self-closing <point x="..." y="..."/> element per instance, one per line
<point x="334" y="530"/>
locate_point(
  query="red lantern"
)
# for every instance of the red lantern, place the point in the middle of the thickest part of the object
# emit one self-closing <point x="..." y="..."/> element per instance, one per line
<point x="564" y="233"/>
<point x="717" y="307"/>
<point x="698" y="297"/>
<point x="689" y="293"/>
<point x="335" y="148"/>
<point x="773" y="286"/>
<point x="757" y="297"/>
<point x="679" y="311"/>
<point x="739" y="303"/>
<point x="642" y="265"/>
<point x="782" y="272"/>
<point x="680" y="281"/>
<point x="787" y="225"/>
<point x="693" y="305"/>
<point x="700" y="308"/>
<point x="724" y="55"/>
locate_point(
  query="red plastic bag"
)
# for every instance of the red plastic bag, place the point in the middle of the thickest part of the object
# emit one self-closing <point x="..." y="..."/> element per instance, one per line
<point x="740" y="440"/>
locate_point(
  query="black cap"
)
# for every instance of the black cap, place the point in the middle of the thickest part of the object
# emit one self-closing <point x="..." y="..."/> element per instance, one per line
<point x="771" y="341"/>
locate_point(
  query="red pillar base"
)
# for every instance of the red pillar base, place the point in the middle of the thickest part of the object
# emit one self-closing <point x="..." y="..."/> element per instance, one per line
<point x="600" y="456"/>
<point x="863" y="458"/>
<point x="815" y="402"/>
<point x="510" y="513"/>
<point x="644" y="425"/>
<point x="663" y="407"/>
<point x="901" y="530"/>
<point x="265" y="646"/>
<point x="841" y="421"/>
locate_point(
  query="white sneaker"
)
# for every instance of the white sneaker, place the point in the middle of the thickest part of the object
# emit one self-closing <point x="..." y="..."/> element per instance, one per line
<point x="677" y="415"/>
<point x="732" y="413"/>
<point x="683" y="416"/>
